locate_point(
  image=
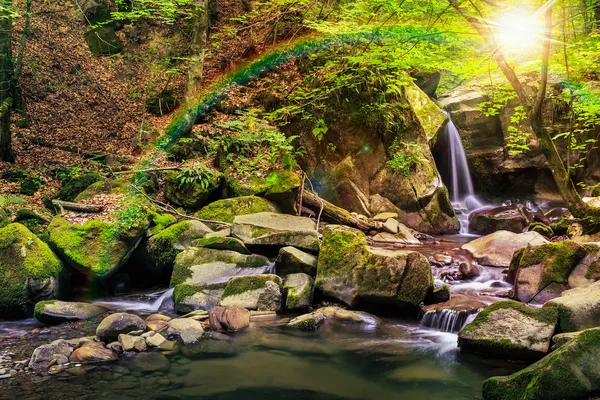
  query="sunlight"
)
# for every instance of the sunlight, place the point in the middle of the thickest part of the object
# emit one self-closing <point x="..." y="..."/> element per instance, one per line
<point x="518" y="30"/>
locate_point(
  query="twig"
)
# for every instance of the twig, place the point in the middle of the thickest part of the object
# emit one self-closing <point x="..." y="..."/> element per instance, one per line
<point x="135" y="171"/>
<point x="299" y="212"/>
<point x="318" y="198"/>
<point x="87" y="208"/>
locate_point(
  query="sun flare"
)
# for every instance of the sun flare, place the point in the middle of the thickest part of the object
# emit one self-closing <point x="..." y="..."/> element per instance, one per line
<point x="518" y="30"/>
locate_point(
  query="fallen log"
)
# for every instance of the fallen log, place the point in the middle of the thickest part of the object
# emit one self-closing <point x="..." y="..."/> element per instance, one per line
<point x="86" y="208"/>
<point x="334" y="214"/>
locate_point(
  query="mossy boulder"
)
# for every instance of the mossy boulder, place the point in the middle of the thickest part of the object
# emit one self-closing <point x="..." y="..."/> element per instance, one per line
<point x="291" y="260"/>
<point x="257" y="292"/>
<point x="541" y="273"/>
<point x="203" y="265"/>
<point x="54" y="312"/>
<point x="307" y="322"/>
<point x="578" y="308"/>
<point x="194" y="194"/>
<point x="352" y="272"/>
<point x="274" y="184"/>
<point x="510" y="329"/>
<point x="35" y="223"/>
<point x="103" y="41"/>
<point x="276" y="230"/>
<point x="4" y="220"/>
<point x="497" y="249"/>
<point x="29" y="271"/>
<point x="222" y="243"/>
<point x="508" y="218"/>
<point x="299" y="289"/>
<point x="188" y="298"/>
<point x="227" y="209"/>
<point x="72" y="186"/>
<point x="571" y="372"/>
<point x="542" y="229"/>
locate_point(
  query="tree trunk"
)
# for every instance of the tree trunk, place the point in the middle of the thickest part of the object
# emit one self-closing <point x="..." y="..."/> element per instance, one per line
<point x="200" y="25"/>
<point x="597" y="14"/>
<point x="334" y="214"/>
<point x="6" y="80"/>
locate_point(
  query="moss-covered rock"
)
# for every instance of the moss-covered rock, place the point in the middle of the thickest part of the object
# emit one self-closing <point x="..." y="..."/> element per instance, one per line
<point x="579" y="308"/>
<point x="542" y="229"/>
<point x="510" y="329"/>
<point x="188" y="298"/>
<point x="256" y="292"/>
<point x="227" y="209"/>
<point x="103" y="41"/>
<point x="438" y="295"/>
<point x="350" y="271"/>
<point x="278" y="230"/>
<point x="193" y="194"/>
<point x="54" y="312"/>
<point x="4" y="220"/>
<point x="307" y="322"/>
<point x="571" y="372"/>
<point x="31" y="221"/>
<point x="291" y="260"/>
<point x="222" y="243"/>
<point x="299" y="289"/>
<point x="203" y="265"/>
<point x="73" y="186"/>
<point x="497" y="249"/>
<point x="273" y="184"/>
<point x="29" y="271"/>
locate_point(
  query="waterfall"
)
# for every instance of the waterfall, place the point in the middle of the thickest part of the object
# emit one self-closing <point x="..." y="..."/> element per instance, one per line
<point x="447" y="320"/>
<point x="162" y="300"/>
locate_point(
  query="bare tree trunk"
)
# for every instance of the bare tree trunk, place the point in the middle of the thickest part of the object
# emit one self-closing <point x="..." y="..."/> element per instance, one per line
<point x="6" y="80"/>
<point x="200" y="25"/>
<point x="533" y="107"/>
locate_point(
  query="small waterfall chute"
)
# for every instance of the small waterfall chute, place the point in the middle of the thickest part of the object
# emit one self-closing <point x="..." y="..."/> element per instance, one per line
<point x="447" y="320"/>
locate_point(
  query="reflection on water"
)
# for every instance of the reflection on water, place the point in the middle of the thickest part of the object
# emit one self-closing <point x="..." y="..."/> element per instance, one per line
<point x="391" y="361"/>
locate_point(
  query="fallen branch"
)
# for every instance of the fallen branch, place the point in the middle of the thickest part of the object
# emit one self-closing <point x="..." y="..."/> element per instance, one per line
<point x="86" y="208"/>
<point x="135" y="171"/>
<point x="335" y="214"/>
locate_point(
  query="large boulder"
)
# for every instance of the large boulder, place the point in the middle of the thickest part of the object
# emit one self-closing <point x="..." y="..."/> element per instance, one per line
<point x="508" y="218"/>
<point x="510" y="329"/>
<point x="291" y="260"/>
<point x="222" y="243"/>
<point x="188" y="298"/>
<point x="29" y="271"/>
<point x="43" y="355"/>
<point x="53" y="312"/>
<point x="115" y="324"/>
<point x="578" y="308"/>
<point x="229" y="318"/>
<point x="193" y="193"/>
<point x="257" y="292"/>
<point x="271" y="229"/>
<point x="227" y="209"/>
<point x="299" y="290"/>
<point x="497" y="249"/>
<point x="541" y="273"/>
<point x="203" y="265"/>
<point x="351" y="272"/>
<point x="571" y="372"/>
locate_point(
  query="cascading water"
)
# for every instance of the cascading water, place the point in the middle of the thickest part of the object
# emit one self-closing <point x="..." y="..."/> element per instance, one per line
<point x="447" y="320"/>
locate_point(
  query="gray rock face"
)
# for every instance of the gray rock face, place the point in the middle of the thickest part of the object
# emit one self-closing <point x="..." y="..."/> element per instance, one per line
<point x="508" y="218"/>
<point x="222" y="243"/>
<point x="258" y="292"/>
<point x="186" y="328"/>
<point x="229" y="318"/>
<point x="300" y="291"/>
<point x="56" y="312"/>
<point x="270" y="229"/>
<point x="43" y="355"/>
<point x="112" y="326"/>
<point x="189" y="298"/>
<point x="129" y="343"/>
<point x="578" y="308"/>
<point x="291" y="260"/>
<point x="497" y="249"/>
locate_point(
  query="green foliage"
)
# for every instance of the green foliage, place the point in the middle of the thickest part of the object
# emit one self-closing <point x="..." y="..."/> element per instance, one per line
<point x="405" y="158"/>
<point x="163" y="11"/>
<point x="320" y="130"/>
<point x="517" y="137"/>
<point x="199" y="175"/>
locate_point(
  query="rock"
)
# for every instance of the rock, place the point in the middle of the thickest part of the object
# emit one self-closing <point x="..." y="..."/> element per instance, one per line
<point x="43" y="355"/>
<point x="563" y="338"/>
<point x="202" y="265"/>
<point x="587" y="271"/>
<point x="192" y="194"/>
<point x="270" y="229"/>
<point x="402" y="237"/>
<point x="157" y="322"/>
<point x="227" y="209"/>
<point x="461" y="302"/>
<point x="343" y="315"/>
<point x="300" y="291"/>
<point x="191" y="336"/>
<point x="129" y="343"/>
<point x="188" y="298"/>
<point x="385" y="216"/>
<point x="445" y="259"/>
<point x="511" y="330"/>
<point x="74" y="185"/>
<point x="350" y="271"/>
<point x="92" y="352"/>
<point x="438" y="295"/>
<point x="571" y="372"/>
<point x="541" y="273"/>
<point x="468" y="270"/>
<point x="578" y="308"/>
<point x="256" y="292"/>
<point x="179" y="326"/>
<point x="229" y="318"/>
<point x="117" y="347"/>
<point x="291" y="260"/>
<point x="497" y="249"/>
<point x="54" y="312"/>
<point x="392" y="226"/>
<point x="112" y="326"/>
<point x="273" y="184"/>
<point x="103" y="41"/>
<point x="223" y="243"/>
<point x="29" y="271"/>
<point x="542" y="229"/>
<point x="508" y="218"/>
<point x="149" y="362"/>
<point x="155" y="340"/>
<point x="307" y="322"/>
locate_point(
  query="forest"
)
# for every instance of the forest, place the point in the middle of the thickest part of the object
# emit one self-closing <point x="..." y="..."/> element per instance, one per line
<point x="293" y="199"/>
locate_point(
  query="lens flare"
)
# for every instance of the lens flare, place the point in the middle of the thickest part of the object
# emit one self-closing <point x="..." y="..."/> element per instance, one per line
<point x="518" y="30"/>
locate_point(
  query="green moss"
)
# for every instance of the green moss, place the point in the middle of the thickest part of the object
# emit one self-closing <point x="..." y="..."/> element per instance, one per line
<point x="160" y="222"/>
<point x="73" y="186"/>
<point x="243" y="284"/>
<point x="542" y="229"/>
<point x="275" y="182"/>
<point x="222" y="243"/>
<point x="342" y="250"/>
<point x="192" y="194"/>
<point x="561" y="226"/>
<point x="416" y="282"/>
<point x="226" y="210"/>
<point x="100" y="187"/>
<point x="184" y="290"/>
<point x="4" y="220"/>
<point x="161" y="246"/>
<point x="293" y="297"/>
<point x="39" y="308"/>
<point x="103" y="41"/>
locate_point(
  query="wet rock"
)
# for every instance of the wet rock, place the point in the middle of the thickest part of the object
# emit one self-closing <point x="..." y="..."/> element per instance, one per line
<point x="129" y="343"/>
<point x="497" y="249"/>
<point x="300" y="291"/>
<point x="578" y="308"/>
<point x="542" y="229"/>
<point x="570" y="372"/>
<point x="112" y="326"/>
<point x="270" y="229"/>
<point x="392" y="226"/>
<point x="188" y="297"/>
<point x="229" y="318"/>
<point x="43" y="355"/>
<point x="256" y="292"/>
<point x="223" y="243"/>
<point x="385" y="216"/>
<point x="508" y="218"/>
<point x="291" y="260"/>
<point x="149" y="362"/>
<point x="191" y="335"/>
<point x="445" y="259"/>
<point x="307" y="322"/>
<point x="341" y="314"/>
<point x="53" y="312"/>
<point x="157" y="322"/>
<point x="438" y="295"/>
<point x="461" y="302"/>
<point x="155" y="340"/>
<point x="227" y="209"/>
<point x="398" y="238"/>
<point x="350" y="271"/>
<point x="92" y="352"/>
<point x="117" y="347"/>
<point x="189" y="330"/>
<point x="511" y="330"/>
<point x="468" y="270"/>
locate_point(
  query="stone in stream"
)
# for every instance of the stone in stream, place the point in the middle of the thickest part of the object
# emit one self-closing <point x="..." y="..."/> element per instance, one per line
<point x="511" y="330"/>
<point x="307" y="322"/>
<point x="300" y="291"/>
<point x="291" y="260"/>
<point x="570" y="372"/>
<point x="130" y="342"/>
<point x="257" y="292"/>
<point x="43" y="355"/>
<point x="157" y="322"/>
<point x="156" y="340"/>
<point x="229" y="318"/>
<point x="350" y="271"/>
<point x="222" y="243"/>
<point x="497" y="249"/>
<point x="189" y="330"/>
<point x="92" y="352"/>
<point x="226" y="210"/>
<point x="189" y="298"/>
<point x="112" y="326"/>
<point x="202" y="265"/>
<point x="468" y="270"/>
<point x="271" y="229"/>
<point x="343" y="315"/>
<point x="579" y="308"/>
<point x="53" y="312"/>
<point x="507" y="218"/>
<point x="29" y="271"/>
